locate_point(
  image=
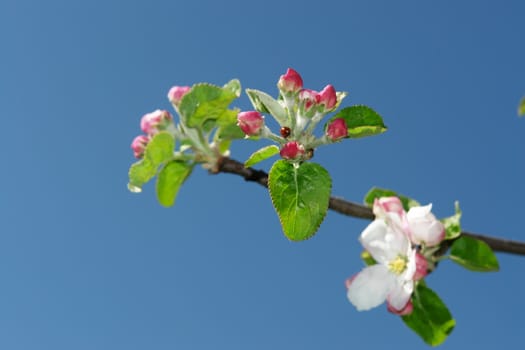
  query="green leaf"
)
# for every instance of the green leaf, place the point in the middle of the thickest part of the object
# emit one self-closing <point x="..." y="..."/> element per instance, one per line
<point x="159" y="150"/>
<point x="170" y="179"/>
<point x="264" y="103"/>
<point x="521" y="107"/>
<point x="430" y="318"/>
<point x="473" y="254"/>
<point x="300" y="195"/>
<point x="207" y="103"/>
<point x="261" y="154"/>
<point x="361" y="121"/>
<point x="234" y="86"/>
<point x="377" y="192"/>
<point x="452" y="223"/>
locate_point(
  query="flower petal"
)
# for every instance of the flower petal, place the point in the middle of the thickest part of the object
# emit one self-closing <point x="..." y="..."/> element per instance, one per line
<point x="400" y="293"/>
<point x="424" y="227"/>
<point x="370" y="287"/>
<point x="383" y="242"/>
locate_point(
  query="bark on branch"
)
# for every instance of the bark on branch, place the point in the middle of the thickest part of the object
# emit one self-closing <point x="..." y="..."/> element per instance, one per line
<point x="231" y="166"/>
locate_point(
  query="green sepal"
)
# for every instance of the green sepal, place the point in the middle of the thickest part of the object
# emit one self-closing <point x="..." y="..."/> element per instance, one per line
<point x="430" y="318"/>
<point x="264" y="103"/>
<point x="158" y="151"/>
<point x="452" y="223"/>
<point x="205" y="103"/>
<point x="377" y="192"/>
<point x="473" y="254"/>
<point x="521" y="107"/>
<point x="300" y="196"/>
<point x="360" y="121"/>
<point x="170" y="179"/>
<point x="261" y="154"/>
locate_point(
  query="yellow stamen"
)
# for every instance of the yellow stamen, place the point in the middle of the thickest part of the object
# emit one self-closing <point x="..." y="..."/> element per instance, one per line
<point x="398" y="265"/>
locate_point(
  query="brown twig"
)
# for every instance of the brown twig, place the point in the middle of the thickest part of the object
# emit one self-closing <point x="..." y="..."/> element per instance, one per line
<point x="231" y="166"/>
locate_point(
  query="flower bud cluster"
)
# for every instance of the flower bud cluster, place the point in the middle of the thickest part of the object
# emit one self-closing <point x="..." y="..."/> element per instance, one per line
<point x="159" y="120"/>
<point x="402" y="244"/>
<point x="304" y="108"/>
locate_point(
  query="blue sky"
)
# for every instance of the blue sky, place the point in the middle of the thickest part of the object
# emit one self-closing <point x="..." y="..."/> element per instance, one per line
<point x="85" y="264"/>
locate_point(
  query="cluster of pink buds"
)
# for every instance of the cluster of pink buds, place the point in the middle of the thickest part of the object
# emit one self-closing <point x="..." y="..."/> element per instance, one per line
<point x="298" y="111"/>
<point x="156" y="121"/>
<point x="401" y="243"/>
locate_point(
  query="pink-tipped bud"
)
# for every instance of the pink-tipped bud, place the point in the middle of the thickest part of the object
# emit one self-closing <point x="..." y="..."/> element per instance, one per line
<point x="421" y="267"/>
<point x="176" y="93"/>
<point x="328" y="97"/>
<point x="424" y="227"/>
<point x="153" y="122"/>
<point x="385" y="205"/>
<point x="138" y="145"/>
<point x="406" y="310"/>
<point x="250" y="122"/>
<point x="291" y="82"/>
<point x="337" y="129"/>
<point x="308" y="99"/>
<point x="292" y="150"/>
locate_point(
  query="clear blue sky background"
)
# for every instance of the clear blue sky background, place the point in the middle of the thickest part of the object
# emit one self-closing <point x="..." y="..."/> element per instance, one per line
<point x="84" y="264"/>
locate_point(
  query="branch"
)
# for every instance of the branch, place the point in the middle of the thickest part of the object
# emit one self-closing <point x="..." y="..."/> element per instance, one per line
<point x="231" y="166"/>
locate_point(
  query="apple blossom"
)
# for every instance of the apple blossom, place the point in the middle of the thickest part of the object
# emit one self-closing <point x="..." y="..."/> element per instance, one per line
<point x="308" y="100"/>
<point x="176" y="94"/>
<point x="157" y="120"/>
<point x="138" y="145"/>
<point x="291" y="150"/>
<point x="391" y="279"/>
<point x="291" y="82"/>
<point x="327" y="97"/>
<point x="250" y="122"/>
<point x="424" y="227"/>
<point x="337" y="129"/>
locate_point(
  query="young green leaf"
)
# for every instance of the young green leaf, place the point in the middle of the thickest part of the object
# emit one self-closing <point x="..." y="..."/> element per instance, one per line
<point x="264" y="103"/>
<point x="170" y="179"/>
<point x="159" y="150"/>
<point x="452" y="223"/>
<point x="473" y="254"/>
<point x="376" y="192"/>
<point x="300" y="195"/>
<point x="361" y="121"/>
<point x="430" y="318"/>
<point x="261" y="154"/>
<point x="207" y="102"/>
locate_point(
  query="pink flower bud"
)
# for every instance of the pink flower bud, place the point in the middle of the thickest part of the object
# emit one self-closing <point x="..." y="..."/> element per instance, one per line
<point x="291" y="150"/>
<point x="152" y="122"/>
<point x="250" y="122"/>
<point x="138" y="145"/>
<point x="308" y="99"/>
<point x="176" y="93"/>
<point x="387" y="205"/>
<point x="406" y="310"/>
<point x="424" y="227"/>
<point x="291" y="82"/>
<point x="421" y="267"/>
<point x="337" y="129"/>
<point x="328" y="97"/>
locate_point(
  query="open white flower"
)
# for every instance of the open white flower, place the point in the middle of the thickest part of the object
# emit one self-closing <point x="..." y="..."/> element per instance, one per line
<point x="392" y="277"/>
